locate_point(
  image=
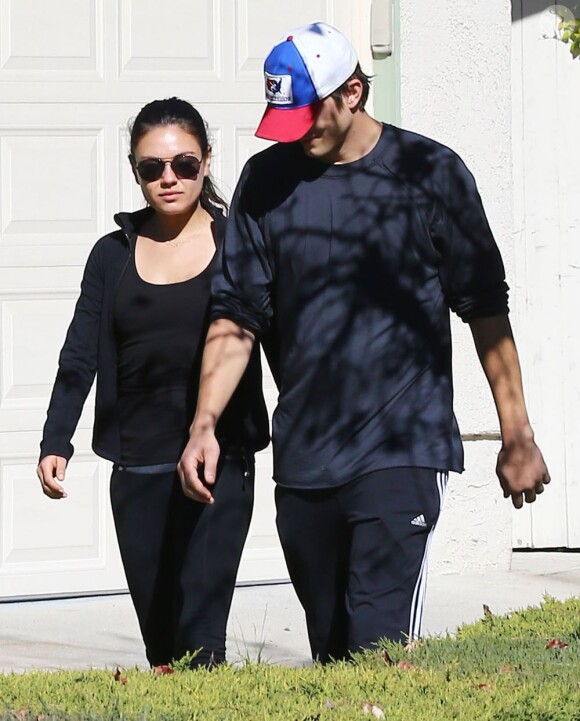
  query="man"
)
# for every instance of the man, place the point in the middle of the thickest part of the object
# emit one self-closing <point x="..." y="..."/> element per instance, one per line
<point x="350" y="240"/>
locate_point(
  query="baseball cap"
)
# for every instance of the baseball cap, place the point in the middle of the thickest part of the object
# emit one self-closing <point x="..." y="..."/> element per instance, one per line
<point x="303" y="68"/>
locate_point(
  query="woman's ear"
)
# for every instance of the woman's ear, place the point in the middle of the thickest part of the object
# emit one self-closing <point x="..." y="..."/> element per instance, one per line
<point x="134" y="168"/>
<point x="207" y="162"/>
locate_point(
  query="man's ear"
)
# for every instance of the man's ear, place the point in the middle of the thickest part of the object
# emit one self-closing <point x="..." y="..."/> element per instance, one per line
<point x="353" y="94"/>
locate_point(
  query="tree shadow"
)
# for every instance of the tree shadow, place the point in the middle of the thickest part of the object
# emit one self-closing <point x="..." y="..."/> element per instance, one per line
<point x="522" y="9"/>
<point x="360" y="342"/>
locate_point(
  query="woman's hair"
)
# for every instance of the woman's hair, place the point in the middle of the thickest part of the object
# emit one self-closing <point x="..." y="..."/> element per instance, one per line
<point x="174" y="111"/>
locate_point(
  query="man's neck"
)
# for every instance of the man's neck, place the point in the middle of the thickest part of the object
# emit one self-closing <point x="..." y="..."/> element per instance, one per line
<point x="363" y="135"/>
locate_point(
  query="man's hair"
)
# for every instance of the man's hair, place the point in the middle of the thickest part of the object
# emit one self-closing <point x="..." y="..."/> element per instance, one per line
<point x="365" y="79"/>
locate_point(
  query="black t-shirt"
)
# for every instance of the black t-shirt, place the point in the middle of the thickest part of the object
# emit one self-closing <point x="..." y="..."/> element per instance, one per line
<point x="354" y="268"/>
<point x="160" y="332"/>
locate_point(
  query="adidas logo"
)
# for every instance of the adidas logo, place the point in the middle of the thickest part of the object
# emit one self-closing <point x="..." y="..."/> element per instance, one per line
<point x="419" y="521"/>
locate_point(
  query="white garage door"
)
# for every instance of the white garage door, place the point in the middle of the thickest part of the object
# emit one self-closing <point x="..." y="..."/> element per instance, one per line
<point x="71" y="73"/>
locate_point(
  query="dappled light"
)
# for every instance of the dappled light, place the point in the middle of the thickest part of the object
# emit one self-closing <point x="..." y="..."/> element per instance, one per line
<point x="360" y="306"/>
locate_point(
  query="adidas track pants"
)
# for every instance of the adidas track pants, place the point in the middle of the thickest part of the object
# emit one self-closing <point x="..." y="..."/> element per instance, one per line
<point x="357" y="556"/>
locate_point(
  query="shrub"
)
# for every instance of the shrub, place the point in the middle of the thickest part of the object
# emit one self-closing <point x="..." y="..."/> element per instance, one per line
<point x="524" y="666"/>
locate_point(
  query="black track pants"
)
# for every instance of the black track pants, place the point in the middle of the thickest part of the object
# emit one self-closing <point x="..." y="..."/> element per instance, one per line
<point x="181" y="558"/>
<point x="357" y="556"/>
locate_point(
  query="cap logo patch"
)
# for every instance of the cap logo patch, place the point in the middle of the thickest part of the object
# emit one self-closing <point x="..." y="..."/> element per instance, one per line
<point x="279" y="89"/>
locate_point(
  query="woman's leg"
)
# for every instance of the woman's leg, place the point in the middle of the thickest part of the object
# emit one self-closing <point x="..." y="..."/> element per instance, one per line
<point x="141" y="510"/>
<point x="209" y="541"/>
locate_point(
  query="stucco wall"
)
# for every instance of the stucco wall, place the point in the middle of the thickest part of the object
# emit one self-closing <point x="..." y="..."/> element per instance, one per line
<point x="456" y="88"/>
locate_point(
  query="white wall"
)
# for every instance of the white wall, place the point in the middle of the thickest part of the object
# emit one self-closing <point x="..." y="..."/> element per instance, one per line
<point x="546" y="106"/>
<point x="456" y="88"/>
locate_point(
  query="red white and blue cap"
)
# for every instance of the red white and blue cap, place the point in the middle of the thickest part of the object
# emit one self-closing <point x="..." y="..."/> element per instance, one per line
<point x="303" y="68"/>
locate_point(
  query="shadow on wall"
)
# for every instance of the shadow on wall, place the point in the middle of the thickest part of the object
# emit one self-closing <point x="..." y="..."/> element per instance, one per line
<point x="522" y="9"/>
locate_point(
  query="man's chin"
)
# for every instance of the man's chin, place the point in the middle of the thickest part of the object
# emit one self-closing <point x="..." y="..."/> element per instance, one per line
<point x="318" y="154"/>
<point x="311" y="148"/>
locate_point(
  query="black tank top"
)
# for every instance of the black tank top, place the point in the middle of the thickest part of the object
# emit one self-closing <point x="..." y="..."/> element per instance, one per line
<point x="160" y="332"/>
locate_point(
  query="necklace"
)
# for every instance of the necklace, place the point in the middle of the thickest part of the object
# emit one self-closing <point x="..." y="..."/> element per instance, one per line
<point x="176" y="242"/>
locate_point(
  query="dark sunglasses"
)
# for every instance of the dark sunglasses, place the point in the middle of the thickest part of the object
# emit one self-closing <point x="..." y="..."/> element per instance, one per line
<point x="183" y="165"/>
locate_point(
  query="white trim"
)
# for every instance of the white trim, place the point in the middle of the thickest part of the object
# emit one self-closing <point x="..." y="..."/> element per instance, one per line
<point x="418" y="602"/>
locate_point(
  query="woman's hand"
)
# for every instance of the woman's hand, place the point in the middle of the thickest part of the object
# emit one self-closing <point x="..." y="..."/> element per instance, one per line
<point x="50" y="471"/>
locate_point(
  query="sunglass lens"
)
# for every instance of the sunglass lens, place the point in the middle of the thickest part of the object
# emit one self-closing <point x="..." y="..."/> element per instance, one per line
<point x="150" y="169"/>
<point x="186" y="166"/>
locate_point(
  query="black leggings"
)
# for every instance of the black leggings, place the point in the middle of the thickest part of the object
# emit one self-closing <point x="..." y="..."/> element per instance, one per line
<point x="181" y="558"/>
<point x="357" y="556"/>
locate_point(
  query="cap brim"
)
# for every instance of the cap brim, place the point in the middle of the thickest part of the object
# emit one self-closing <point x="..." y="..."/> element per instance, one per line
<point x="287" y="125"/>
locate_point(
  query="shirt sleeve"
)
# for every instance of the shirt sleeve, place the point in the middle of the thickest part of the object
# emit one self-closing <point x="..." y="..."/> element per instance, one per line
<point x="470" y="268"/>
<point x="77" y="365"/>
<point x="241" y="292"/>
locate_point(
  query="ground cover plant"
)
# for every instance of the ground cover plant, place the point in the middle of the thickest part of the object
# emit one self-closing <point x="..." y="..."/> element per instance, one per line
<point x="521" y="667"/>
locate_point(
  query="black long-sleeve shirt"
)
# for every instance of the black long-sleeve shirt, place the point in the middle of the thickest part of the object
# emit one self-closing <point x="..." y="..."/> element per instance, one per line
<point x="354" y="268"/>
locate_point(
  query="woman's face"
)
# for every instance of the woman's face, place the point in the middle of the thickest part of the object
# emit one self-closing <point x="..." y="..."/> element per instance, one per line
<point x="171" y="194"/>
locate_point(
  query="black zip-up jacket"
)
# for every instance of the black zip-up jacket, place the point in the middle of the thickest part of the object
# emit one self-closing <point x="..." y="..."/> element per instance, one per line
<point x="90" y="349"/>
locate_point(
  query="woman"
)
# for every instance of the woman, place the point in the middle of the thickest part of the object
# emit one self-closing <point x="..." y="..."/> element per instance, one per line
<point x="139" y="325"/>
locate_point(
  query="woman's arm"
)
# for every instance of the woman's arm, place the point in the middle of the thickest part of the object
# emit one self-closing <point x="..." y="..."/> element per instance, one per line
<point x="76" y="371"/>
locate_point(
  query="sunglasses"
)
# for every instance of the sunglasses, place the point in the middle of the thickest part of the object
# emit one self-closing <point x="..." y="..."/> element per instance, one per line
<point x="183" y="165"/>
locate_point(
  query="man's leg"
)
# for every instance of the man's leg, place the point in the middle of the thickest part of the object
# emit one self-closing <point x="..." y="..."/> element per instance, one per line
<point x="392" y="516"/>
<point x="314" y="539"/>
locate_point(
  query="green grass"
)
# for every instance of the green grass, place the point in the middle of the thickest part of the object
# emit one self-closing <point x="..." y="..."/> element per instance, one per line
<point x="498" y="668"/>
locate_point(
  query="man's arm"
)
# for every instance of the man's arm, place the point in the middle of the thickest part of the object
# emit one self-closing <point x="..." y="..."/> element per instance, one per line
<point x="226" y="354"/>
<point x="520" y="467"/>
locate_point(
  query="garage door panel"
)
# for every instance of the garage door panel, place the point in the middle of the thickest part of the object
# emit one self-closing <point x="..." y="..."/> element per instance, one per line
<point x="39" y="282"/>
<point x="21" y="443"/>
<point x="153" y="46"/>
<point x="59" y="170"/>
<point x="260" y="24"/>
<point x="36" y="42"/>
<point x="55" y="547"/>
<point x="15" y="423"/>
<point x="130" y="195"/>
<point x="247" y="144"/>
<point x="32" y="333"/>
<point x="32" y="330"/>
<point x="26" y="378"/>
<point x="69" y="531"/>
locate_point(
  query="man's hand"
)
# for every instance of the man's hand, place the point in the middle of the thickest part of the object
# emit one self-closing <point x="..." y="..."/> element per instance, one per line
<point x="226" y="353"/>
<point x="520" y="466"/>
<point x="521" y="470"/>
<point x="50" y="471"/>
<point x="198" y="465"/>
